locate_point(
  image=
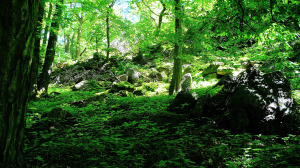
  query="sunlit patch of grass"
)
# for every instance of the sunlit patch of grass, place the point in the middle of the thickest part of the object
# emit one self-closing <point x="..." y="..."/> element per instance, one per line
<point x="58" y="88"/>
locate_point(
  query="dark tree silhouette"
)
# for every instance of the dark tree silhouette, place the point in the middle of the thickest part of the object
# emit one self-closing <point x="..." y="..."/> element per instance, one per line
<point x="17" y="36"/>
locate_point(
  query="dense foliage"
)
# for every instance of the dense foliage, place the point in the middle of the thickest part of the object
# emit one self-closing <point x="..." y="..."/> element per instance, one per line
<point x="111" y="122"/>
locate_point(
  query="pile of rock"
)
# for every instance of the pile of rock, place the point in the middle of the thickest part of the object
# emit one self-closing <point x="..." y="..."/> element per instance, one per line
<point x="256" y="103"/>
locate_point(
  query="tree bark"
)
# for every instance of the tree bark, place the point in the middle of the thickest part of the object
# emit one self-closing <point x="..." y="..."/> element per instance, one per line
<point x="79" y="32"/>
<point x="72" y="46"/>
<point x="44" y="78"/>
<point x="107" y="30"/>
<point x="17" y="36"/>
<point x="161" y="15"/>
<point x="67" y="43"/>
<point x="37" y="50"/>
<point x="177" y="69"/>
<point x="47" y="27"/>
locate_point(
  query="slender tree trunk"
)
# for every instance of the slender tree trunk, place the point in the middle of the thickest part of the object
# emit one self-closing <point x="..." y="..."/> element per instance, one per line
<point x="161" y="15"/>
<point x="96" y="44"/>
<point x="78" y="46"/>
<point x="107" y="36"/>
<point x="44" y="78"/>
<point x="72" y="46"/>
<point x="107" y="30"/>
<point x="37" y="49"/>
<point x="67" y="43"/>
<point x="17" y="35"/>
<point x="47" y="27"/>
<point x="177" y="69"/>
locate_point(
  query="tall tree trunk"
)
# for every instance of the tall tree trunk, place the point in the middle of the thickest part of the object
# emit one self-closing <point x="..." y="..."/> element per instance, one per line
<point x="44" y="78"/>
<point x="37" y="49"/>
<point x="67" y="43"/>
<point x="72" y="46"/>
<point x="78" y="50"/>
<point x="17" y="35"/>
<point x="177" y="69"/>
<point x="107" y="30"/>
<point x="161" y="15"/>
<point x="96" y="44"/>
<point x="47" y="27"/>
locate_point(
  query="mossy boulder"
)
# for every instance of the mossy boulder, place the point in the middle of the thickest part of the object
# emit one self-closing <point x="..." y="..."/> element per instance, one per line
<point x="116" y="87"/>
<point x="212" y="68"/>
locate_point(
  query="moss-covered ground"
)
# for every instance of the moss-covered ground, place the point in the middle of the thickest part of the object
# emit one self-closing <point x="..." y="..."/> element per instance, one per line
<point x="110" y="131"/>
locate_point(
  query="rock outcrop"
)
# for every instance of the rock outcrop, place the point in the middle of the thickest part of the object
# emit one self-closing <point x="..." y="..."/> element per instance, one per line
<point x="255" y="102"/>
<point x="184" y="101"/>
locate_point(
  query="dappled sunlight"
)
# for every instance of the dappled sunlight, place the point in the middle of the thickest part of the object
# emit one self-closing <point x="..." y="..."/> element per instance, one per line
<point x="150" y="83"/>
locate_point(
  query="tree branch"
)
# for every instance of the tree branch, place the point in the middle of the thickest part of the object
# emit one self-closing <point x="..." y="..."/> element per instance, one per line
<point x="242" y="19"/>
<point x="149" y="8"/>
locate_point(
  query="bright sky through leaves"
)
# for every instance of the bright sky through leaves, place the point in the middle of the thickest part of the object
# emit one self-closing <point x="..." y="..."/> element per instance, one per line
<point x="123" y="7"/>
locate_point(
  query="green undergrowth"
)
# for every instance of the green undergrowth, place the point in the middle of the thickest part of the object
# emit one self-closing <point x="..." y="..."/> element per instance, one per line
<point x="113" y="131"/>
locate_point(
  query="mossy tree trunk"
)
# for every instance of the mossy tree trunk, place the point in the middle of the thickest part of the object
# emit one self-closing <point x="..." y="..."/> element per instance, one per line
<point x="44" y="77"/>
<point x="177" y="69"/>
<point x="17" y="36"/>
<point x="37" y="49"/>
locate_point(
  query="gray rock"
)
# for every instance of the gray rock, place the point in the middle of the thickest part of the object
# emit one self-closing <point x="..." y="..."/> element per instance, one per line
<point x="153" y="75"/>
<point x="186" y="82"/>
<point x="133" y="76"/>
<point x="161" y="76"/>
<point x="79" y="86"/>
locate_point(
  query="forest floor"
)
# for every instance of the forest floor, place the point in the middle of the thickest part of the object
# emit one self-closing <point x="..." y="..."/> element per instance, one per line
<point x="140" y="132"/>
<point x="108" y="130"/>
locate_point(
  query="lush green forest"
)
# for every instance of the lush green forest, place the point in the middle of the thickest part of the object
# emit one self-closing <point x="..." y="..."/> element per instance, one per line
<point x="149" y="83"/>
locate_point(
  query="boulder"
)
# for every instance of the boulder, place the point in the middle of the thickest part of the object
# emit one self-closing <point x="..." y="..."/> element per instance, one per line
<point x="79" y="103"/>
<point x="123" y="77"/>
<point x="255" y="102"/>
<point x="183" y="103"/>
<point x="153" y="74"/>
<point x="122" y="93"/>
<point x="161" y="76"/>
<point x="87" y="86"/>
<point x="138" y="93"/>
<point x="186" y="82"/>
<point x="133" y="76"/>
<point x="126" y="86"/>
<point x="80" y="85"/>
<point x="211" y="69"/>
